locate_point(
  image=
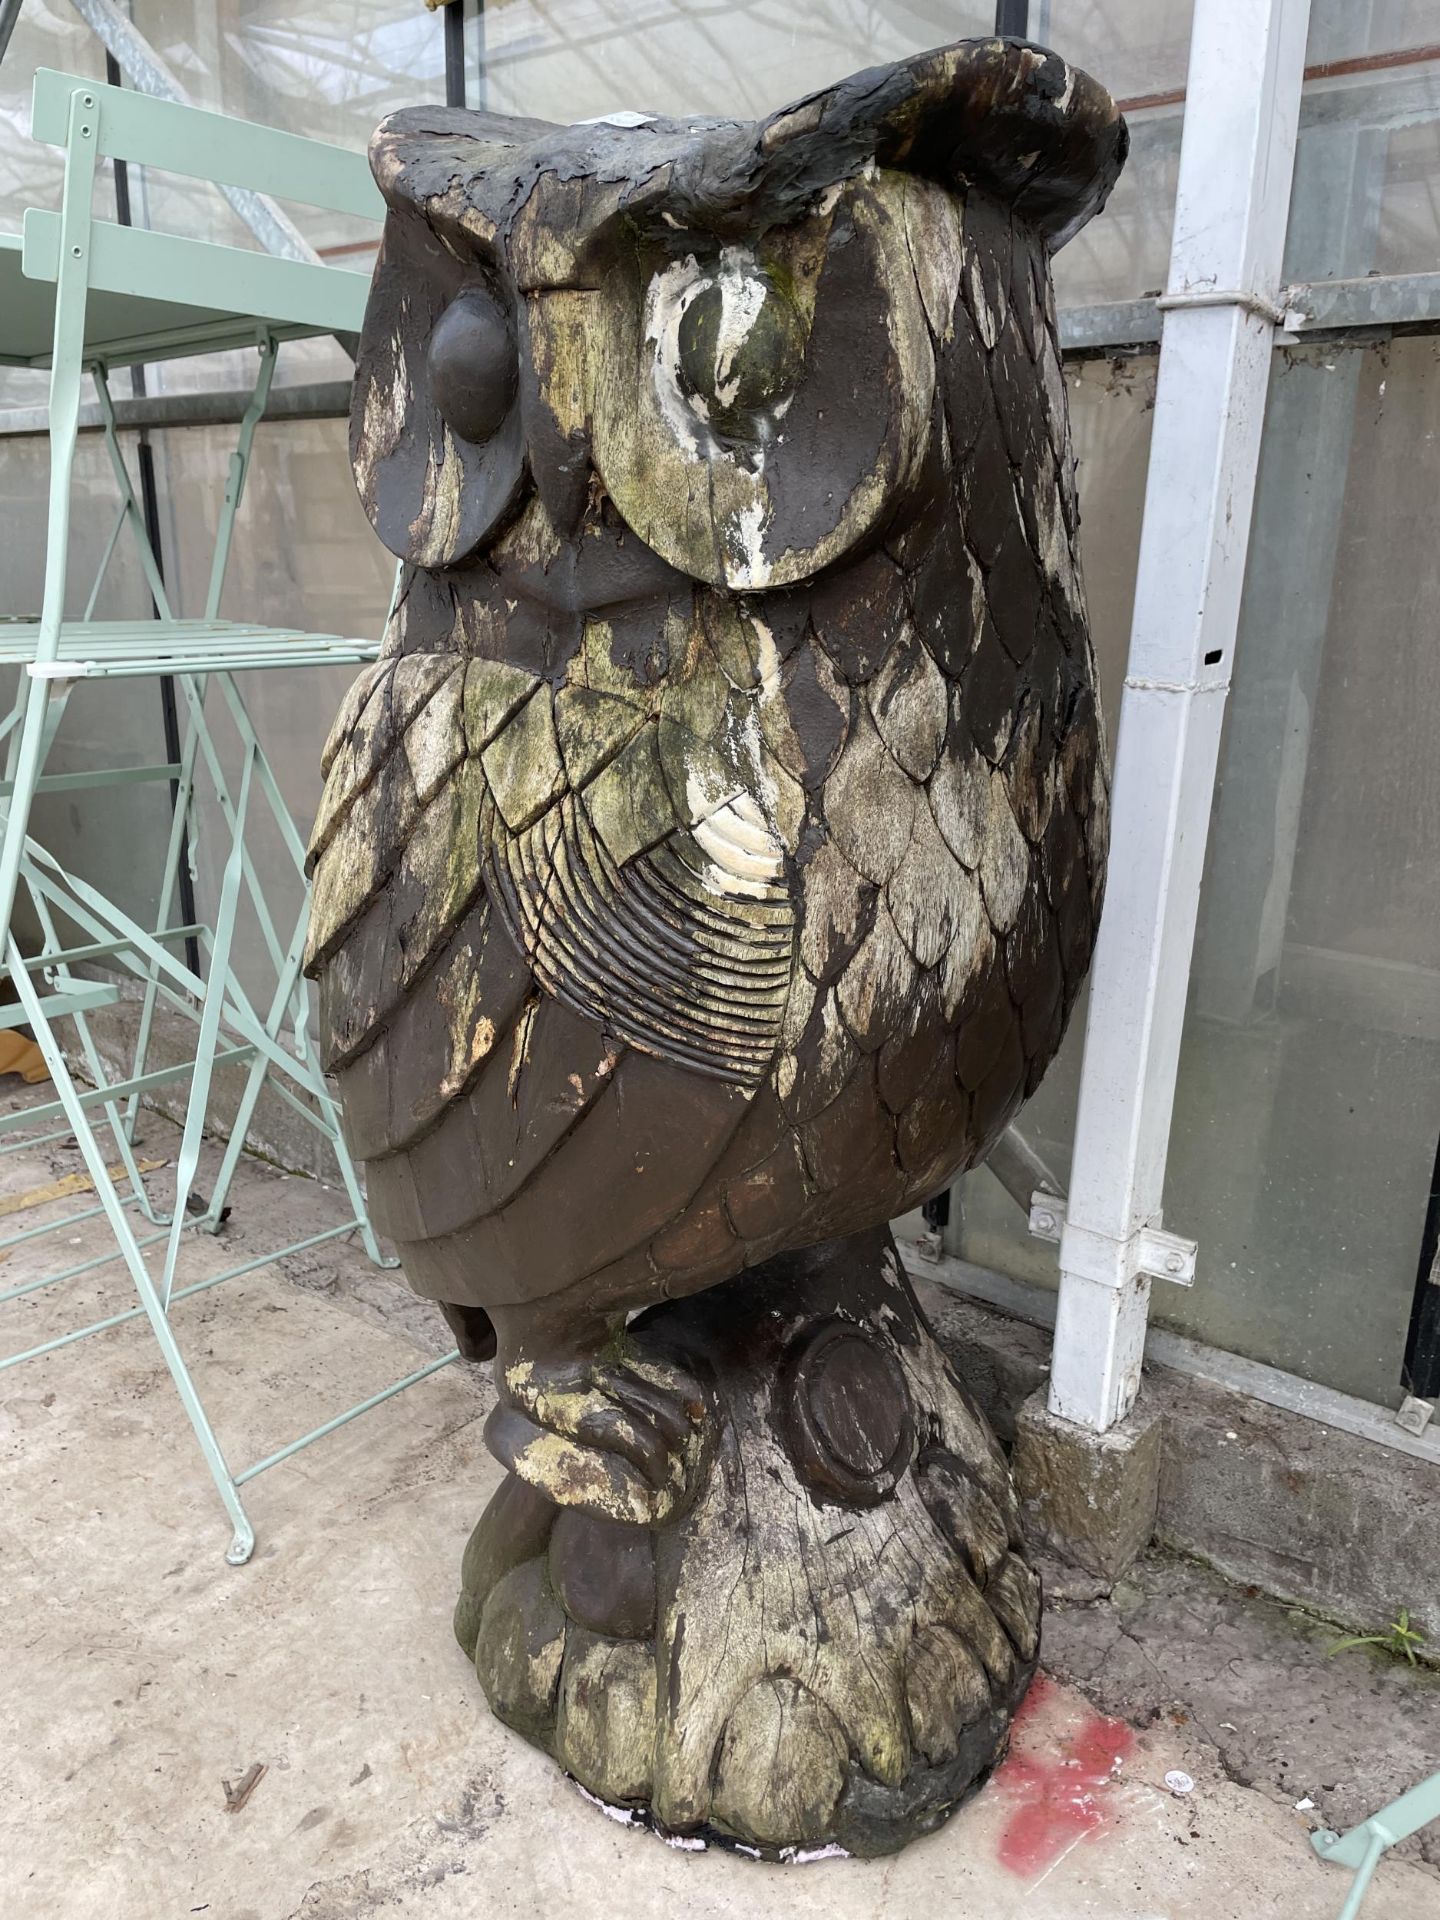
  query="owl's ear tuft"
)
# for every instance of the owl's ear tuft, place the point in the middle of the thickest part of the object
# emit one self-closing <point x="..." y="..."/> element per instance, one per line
<point x="423" y="157"/>
<point x="1011" y="118"/>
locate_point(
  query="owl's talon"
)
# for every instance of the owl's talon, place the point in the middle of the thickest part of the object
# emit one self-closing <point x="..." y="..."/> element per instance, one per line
<point x="674" y="1409"/>
<point x="616" y="1439"/>
<point x="570" y="1473"/>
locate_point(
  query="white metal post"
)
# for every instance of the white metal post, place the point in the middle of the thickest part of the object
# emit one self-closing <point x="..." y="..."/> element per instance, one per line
<point x="1236" y="161"/>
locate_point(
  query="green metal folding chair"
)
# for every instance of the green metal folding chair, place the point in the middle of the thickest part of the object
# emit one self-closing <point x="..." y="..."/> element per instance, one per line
<point x="84" y="295"/>
<point x="1363" y="1847"/>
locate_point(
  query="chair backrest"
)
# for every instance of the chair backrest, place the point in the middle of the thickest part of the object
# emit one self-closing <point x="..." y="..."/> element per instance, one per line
<point x="192" y="272"/>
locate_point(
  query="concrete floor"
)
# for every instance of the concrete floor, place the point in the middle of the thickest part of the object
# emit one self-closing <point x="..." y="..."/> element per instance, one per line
<point x="142" y="1672"/>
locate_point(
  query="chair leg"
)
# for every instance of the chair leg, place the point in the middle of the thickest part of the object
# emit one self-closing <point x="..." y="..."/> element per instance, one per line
<point x="182" y="833"/>
<point x="288" y="1004"/>
<point x="242" y="1544"/>
<point x="1364" y="1874"/>
<point x="27" y="756"/>
<point x="1363" y="1847"/>
<point x="208" y="1038"/>
<point x="288" y="1000"/>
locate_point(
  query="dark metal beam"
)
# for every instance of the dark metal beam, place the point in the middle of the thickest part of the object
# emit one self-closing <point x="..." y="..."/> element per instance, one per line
<point x="454" y="17"/>
<point x="314" y="400"/>
<point x="9" y="14"/>
<point x="1422" y="1348"/>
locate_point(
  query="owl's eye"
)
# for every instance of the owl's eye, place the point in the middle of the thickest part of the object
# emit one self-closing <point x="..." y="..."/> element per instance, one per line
<point x="472" y="364"/>
<point x="740" y="347"/>
<point x="757" y="410"/>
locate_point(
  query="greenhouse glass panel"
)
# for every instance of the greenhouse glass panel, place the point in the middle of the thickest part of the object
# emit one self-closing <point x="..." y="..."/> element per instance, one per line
<point x="1369" y="148"/>
<point x="589" y="57"/>
<point x="1139" y="51"/>
<point x="329" y="70"/>
<point x="1308" y="1105"/>
<point x="1309" y="1101"/>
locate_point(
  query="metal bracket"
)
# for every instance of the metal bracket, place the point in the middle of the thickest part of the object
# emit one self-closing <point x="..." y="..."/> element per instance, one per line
<point x="1159" y="1255"/>
<point x="1289" y="319"/>
<point x="59" y="669"/>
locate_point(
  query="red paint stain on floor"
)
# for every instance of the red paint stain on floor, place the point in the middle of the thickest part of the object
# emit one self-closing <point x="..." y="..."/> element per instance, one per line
<point x="1063" y="1757"/>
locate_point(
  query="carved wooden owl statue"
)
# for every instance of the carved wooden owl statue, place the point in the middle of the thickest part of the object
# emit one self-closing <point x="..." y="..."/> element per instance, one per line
<point x="708" y="866"/>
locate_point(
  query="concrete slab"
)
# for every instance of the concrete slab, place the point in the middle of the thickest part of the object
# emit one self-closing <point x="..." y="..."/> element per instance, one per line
<point x="142" y="1672"/>
<point x="1261" y="1683"/>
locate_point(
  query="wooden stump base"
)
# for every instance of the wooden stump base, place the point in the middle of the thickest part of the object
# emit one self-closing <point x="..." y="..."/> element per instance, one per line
<point x="826" y="1646"/>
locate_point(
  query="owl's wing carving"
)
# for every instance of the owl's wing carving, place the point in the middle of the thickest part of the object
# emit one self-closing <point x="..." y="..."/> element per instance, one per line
<point x="623" y="847"/>
<point x="639" y="838"/>
<point x="632" y="854"/>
